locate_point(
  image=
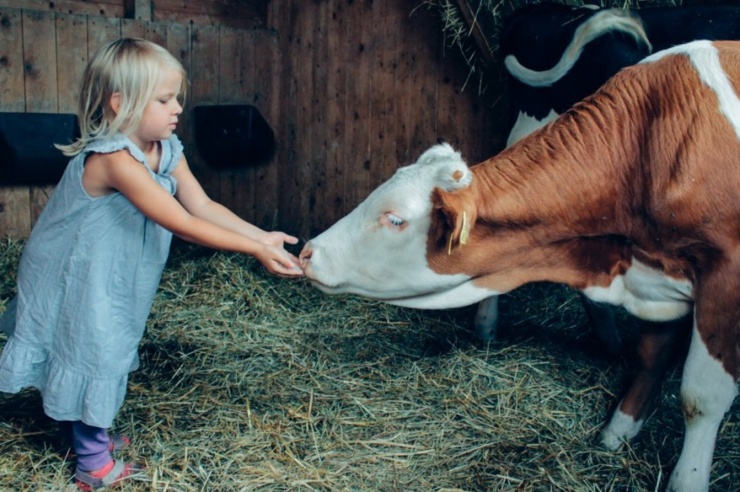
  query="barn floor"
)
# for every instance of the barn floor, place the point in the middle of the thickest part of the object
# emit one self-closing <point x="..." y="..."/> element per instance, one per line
<point x="251" y="382"/>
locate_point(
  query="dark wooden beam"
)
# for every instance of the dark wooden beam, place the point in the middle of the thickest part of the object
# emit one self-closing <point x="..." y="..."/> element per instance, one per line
<point x="137" y="9"/>
<point x="480" y="39"/>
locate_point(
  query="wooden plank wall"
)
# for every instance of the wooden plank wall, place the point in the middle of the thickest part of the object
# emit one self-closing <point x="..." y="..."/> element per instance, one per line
<point x="231" y="13"/>
<point x="367" y="86"/>
<point x="43" y="54"/>
<point x="352" y="88"/>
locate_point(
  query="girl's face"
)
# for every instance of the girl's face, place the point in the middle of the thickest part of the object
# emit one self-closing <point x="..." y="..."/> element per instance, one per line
<point x="160" y="115"/>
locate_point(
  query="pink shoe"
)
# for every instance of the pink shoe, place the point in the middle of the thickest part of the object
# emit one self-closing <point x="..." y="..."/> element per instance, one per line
<point x="117" y="475"/>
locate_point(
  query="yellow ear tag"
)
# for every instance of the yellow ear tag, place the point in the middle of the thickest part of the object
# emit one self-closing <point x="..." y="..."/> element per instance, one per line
<point x="465" y="231"/>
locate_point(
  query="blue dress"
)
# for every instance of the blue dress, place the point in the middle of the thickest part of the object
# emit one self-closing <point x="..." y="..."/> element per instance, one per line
<point x="86" y="282"/>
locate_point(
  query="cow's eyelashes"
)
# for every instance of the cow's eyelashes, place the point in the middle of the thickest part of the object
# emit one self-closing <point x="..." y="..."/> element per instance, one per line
<point x="393" y="221"/>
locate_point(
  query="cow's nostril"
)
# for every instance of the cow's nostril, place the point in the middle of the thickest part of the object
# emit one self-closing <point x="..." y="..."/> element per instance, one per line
<point x="306" y="254"/>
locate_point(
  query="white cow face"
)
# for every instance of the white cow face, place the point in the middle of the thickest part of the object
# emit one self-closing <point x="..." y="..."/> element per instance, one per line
<point x="379" y="249"/>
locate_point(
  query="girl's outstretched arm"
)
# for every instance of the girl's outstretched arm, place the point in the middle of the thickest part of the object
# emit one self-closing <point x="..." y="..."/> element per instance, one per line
<point x="217" y="228"/>
<point x="194" y="199"/>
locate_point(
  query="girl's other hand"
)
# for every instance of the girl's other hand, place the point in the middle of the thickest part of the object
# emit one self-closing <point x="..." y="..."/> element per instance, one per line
<point x="278" y="239"/>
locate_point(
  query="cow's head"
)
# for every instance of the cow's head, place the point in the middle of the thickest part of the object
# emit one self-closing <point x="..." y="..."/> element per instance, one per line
<point x="382" y="249"/>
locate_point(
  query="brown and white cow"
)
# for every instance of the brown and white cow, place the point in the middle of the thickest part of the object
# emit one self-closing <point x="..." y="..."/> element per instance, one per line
<point x="632" y="197"/>
<point x="556" y="55"/>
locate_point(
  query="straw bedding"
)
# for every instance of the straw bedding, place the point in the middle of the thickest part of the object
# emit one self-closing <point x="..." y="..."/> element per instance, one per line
<point x="252" y="382"/>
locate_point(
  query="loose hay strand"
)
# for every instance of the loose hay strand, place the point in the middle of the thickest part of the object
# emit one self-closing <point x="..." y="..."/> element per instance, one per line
<point x="255" y="383"/>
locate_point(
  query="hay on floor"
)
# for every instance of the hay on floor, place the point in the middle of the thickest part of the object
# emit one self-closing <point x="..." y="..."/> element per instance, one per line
<point x="255" y="383"/>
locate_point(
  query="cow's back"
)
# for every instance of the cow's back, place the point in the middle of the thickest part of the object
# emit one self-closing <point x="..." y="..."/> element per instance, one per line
<point x="671" y="26"/>
<point x="686" y="143"/>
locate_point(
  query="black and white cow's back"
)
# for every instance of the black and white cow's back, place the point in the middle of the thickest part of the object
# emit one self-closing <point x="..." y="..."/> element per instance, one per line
<point x="581" y="47"/>
<point x="551" y="68"/>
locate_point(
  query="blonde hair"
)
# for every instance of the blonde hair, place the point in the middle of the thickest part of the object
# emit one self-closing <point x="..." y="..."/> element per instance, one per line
<point x="131" y="67"/>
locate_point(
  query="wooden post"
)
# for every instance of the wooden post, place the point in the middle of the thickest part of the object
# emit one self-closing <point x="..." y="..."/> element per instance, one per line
<point x="480" y="39"/>
<point x="137" y="9"/>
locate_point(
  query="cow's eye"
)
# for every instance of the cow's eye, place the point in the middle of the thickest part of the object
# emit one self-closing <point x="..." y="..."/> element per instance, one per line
<point x="395" y="220"/>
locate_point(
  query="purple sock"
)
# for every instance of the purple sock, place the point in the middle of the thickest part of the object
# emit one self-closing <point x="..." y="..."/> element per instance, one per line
<point x="91" y="445"/>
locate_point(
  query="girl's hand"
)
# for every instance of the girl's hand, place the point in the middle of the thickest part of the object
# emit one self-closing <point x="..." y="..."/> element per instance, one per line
<point x="278" y="261"/>
<point x="278" y="239"/>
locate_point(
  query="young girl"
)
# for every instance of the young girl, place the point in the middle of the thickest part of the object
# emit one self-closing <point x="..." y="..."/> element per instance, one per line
<point x="90" y="269"/>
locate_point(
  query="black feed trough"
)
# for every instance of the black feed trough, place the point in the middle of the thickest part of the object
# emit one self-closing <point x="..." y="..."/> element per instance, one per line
<point x="27" y="152"/>
<point x="233" y="136"/>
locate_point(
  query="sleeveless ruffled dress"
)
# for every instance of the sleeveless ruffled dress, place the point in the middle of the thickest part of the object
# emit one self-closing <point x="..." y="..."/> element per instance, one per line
<point x="86" y="282"/>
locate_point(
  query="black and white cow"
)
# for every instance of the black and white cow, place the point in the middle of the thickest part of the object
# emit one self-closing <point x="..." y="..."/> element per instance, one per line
<point x="557" y="55"/>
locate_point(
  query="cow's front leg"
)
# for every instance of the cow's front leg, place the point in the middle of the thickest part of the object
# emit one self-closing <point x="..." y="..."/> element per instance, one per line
<point x="654" y="348"/>
<point x="486" y="319"/>
<point x="707" y="392"/>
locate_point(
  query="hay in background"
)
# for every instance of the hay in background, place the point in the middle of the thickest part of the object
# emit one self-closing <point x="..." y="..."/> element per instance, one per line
<point x="255" y="383"/>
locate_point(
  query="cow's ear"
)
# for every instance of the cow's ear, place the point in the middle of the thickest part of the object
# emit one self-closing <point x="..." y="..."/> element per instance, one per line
<point x="453" y="217"/>
<point x="450" y="170"/>
<point x="455" y="177"/>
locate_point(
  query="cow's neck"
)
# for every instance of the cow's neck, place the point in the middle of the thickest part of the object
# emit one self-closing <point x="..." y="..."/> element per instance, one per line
<point x="579" y="190"/>
<point x="563" y="216"/>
